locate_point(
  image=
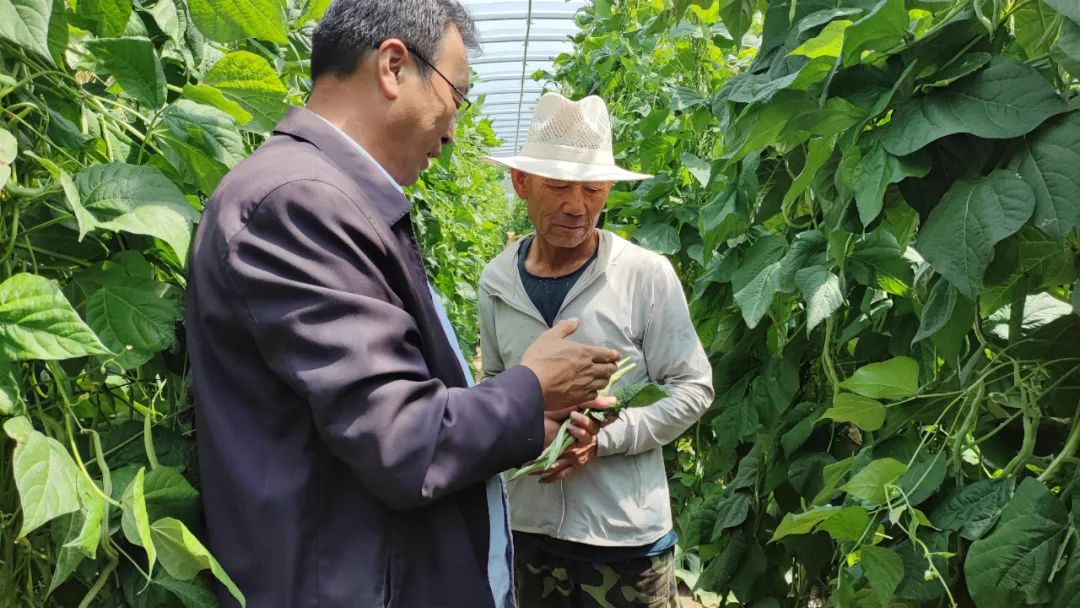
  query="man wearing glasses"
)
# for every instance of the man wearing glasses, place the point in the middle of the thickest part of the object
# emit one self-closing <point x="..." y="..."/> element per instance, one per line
<point x="345" y="458"/>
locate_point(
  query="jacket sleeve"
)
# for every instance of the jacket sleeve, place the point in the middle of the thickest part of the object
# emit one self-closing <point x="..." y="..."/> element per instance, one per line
<point x="491" y="356"/>
<point x="307" y="268"/>
<point x="673" y="357"/>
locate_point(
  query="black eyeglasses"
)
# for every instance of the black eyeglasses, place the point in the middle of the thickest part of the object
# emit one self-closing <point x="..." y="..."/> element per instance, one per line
<point x="462" y="102"/>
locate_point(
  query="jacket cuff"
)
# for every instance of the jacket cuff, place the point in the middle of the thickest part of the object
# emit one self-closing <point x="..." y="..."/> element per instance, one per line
<point x="522" y="382"/>
<point x="614" y="438"/>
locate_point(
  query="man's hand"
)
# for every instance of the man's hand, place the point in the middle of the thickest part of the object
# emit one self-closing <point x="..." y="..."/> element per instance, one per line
<point x="568" y="372"/>
<point x="584" y="429"/>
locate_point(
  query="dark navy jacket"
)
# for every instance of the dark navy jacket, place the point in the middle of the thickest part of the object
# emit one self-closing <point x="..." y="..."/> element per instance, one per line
<point x="342" y="457"/>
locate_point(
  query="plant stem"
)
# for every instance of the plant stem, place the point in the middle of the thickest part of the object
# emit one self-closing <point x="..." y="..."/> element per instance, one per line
<point x="1067" y="452"/>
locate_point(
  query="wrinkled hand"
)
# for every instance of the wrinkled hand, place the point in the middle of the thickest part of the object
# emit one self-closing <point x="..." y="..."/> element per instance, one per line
<point x="584" y="429"/>
<point x="568" y="372"/>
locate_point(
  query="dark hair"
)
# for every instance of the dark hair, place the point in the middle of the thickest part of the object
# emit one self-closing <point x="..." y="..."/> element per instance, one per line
<point x="351" y="29"/>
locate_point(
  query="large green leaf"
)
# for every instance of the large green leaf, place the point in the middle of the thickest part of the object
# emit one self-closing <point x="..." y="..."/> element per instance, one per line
<point x="828" y="43"/>
<point x="1011" y="566"/>
<point x="249" y="80"/>
<point x="111" y="16"/>
<point x="134" y="64"/>
<point x="871" y="483"/>
<point x="867" y="170"/>
<point x="973" y="509"/>
<point x="37" y="322"/>
<point x="1049" y="162"/>
<point x="819" y="518"/>
<point x="1067" y="50"/>
<point x="213" y="97"/>
<point x="821" y="292"/>
<point x="183" y="556"/>
<point x="135" y="520"/>
<point x="1068" y="8"/>
<point x="202" y="143"/>
<point x="138" y="199"/>
<point x="937" y="311"/>
<point x="661" y="238"/>
<point x="232" y="20"/>
<point x="10" y="393"/>
<point x="866" y="413"/>
<point x="1007" y="99"/>
<point x="974" y="215"/>
<point x="45" y="476"/>
<point x="26" y="23"/>
<point x="758" y="278"/>
<point x="192" y="593"/>
<point x="135" y="317"/>
<point x="884" y="569"/>
<point x="880" y="30"/>
<point x="897" y="378"/>
<point x="731" y="512"/>
<point x="754" y="88"/>
<point x="9" y="148"/>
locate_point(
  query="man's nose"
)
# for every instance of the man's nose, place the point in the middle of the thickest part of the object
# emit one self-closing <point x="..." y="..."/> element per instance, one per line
<point x="448" y="135"/>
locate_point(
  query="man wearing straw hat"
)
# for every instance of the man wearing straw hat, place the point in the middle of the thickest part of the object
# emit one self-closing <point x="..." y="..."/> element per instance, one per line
<point x="596" y="528"/>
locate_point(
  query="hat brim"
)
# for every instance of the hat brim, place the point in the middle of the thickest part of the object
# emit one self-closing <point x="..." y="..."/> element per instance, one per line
<point x="567" y="170"/>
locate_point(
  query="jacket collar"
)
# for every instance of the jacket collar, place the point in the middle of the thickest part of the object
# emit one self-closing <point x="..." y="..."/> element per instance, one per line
<point x="502" y="279"/>
<point x="303" y="124"/>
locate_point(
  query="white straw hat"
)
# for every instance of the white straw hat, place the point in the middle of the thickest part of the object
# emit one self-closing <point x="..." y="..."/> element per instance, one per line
<point x="570" y="141"/>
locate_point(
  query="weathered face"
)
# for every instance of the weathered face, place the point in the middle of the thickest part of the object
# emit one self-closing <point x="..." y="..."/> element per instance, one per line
<point x="429" y="106"/>
<point x="563" y="213"/>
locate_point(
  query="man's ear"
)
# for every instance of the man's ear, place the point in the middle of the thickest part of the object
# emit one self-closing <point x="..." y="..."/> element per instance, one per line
<point x="390" y="59"/>
<point x="519" y="179"/>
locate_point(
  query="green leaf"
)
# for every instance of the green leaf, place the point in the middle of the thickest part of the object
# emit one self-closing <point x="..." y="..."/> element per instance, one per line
<point x="882" y="29"/>
<point x="1067" y="50"/>
<point x="1068" y="8"/>
<point x="37" y="322"/>
<point x="700" y="169"/>
<point x="93" y="509"/>
<point x="661" y="238"/>
<point x="832" y="475"/>
<point x="937" y="311"/>
<point x="26" y="23"/>
<point x="884" y="569"/>
<point x="1049" y="161"/>
<point x="1007" y="99"/>
<point x="924" y="477"/>
<point x="839" y="522"/>
<point x="65" y="528"/>
<point x="640" y="395"/>
<point x="313" y="11"/>
<point x="974" y="215"/>
<point x="755" y="88"/>
<point x="9" y="148"/>
<point x="111" y="16"/>
<point x="847" y="525"/>
<point x="821" y="291"/>
<point x="738" y="16"/>
<point x="183" y="556"/>
<point x="818" y="153"/>
<point x="867" y="170"/>
<point x="731" y="512"/>
<point x="1076" y="298"/>
<point x="879" y="262"/>
<point x="758" y="278"/>
<point x="1010" y="567"/>
<point x="803" y="523"/>
<point x="249" y="80"/>
<point x="897" y="378"/>
<point x="869" y="484"/>
<point x="210" y="96"/>
<point x="232" y="20"/>
<point x="135" y="317"/>
<point x="138" y="199"/>
<point x="10" y="393"/>
<point x="192" y="593"/>
<point x="135" y="520"/>
<point x="201" y="143"/>
<point x="135" y="65"/>
<point x="45" y="476"/>
<point x="826" y="44"/>
<point x="867" y="414"/>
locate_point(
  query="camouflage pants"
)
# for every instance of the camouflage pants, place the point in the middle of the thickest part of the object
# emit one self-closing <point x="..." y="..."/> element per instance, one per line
<point x="546" y="581"/>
